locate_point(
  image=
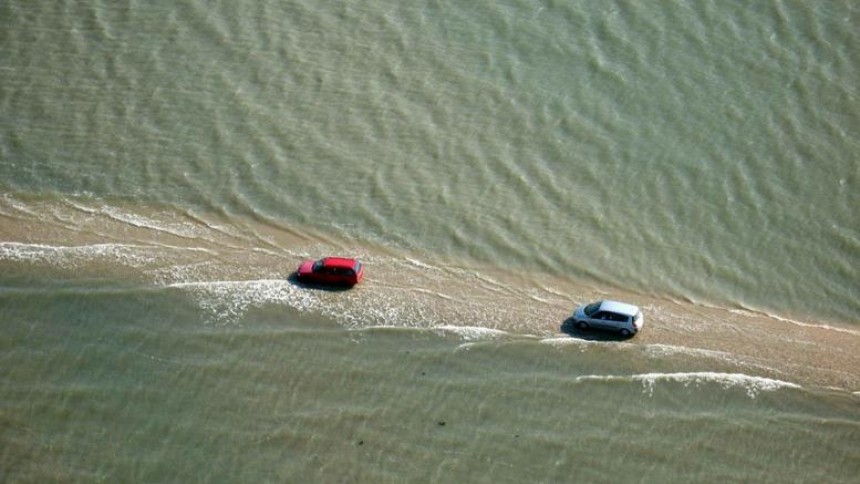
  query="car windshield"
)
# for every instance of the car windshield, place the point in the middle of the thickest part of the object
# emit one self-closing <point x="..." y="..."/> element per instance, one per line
<point x="591" y="308"/>
<point x="357" y="267"/>
<point x="318" y="265"/>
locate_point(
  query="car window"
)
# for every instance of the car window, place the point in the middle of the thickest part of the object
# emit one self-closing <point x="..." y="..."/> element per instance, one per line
<point x="318" y="265"/>
<point x="591" y="309"/>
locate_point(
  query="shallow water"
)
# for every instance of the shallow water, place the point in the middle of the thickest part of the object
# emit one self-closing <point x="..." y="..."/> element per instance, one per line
<point x="154" y="395"/>
<point x="164" y="167"/>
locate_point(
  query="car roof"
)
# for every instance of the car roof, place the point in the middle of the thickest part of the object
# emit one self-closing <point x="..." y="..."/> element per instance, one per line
<point x="341" y="262"/>
<point x="619" y="307"/>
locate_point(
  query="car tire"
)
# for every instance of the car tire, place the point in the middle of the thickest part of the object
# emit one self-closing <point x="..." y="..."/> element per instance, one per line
<point x="582" y="325"/>
<point x="625" y="332"/>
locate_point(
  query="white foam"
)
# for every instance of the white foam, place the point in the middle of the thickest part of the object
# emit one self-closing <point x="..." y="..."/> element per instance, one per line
<point x="185" y="230"/>
<point x="177" y="273"/>
<point x="491" y="284"/>
<point x="386" y="327"/>
<point x="132" y="255"/>
<point x="669" y="350"/>
<point x="568" y="341"/>
<point x="560" y="341"/>
<point x="81" y="208"/>
<point x="418" y="263"/>
<point x="228" y="301"/>
<point x="660" y="350"/>
<point x="472" y="333"/>
<point x="752" y="384"/>
<point x="795" y="322"/>
<point x="434" y="293"/>
<point x="17" y="205"/>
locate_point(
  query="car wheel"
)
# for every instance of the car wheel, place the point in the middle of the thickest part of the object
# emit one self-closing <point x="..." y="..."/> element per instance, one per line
<point x="625" y="332"/>
<point x="582" y="325"/>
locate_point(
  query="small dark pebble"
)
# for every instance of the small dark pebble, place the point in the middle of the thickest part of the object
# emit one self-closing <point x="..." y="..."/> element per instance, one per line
<point x="441" y="424"/>
<point x="360" y="442"/>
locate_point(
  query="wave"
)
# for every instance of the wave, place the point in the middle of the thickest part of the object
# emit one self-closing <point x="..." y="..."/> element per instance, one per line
<point x="561" y="341"/>
<point x="795" y="322"/>
<point x="418" y="263"/>
<point x="133" y="255"/>
<point x="472" y="333"/>
<point x="227" y="301"/>
<point x="180" y="229"/>
<point x="663" y="350"/>
<point x="752" y="384"/>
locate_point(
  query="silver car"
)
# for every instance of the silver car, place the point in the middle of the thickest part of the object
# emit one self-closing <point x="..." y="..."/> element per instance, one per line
<point x="617" y="316"/>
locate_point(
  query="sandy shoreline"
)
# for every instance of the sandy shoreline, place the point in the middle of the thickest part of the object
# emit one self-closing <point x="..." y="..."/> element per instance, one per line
<point x="161" y="248"/>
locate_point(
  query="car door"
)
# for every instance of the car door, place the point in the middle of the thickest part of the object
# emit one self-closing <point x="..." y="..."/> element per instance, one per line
<point x="624" y="321"/>
<point x="617" y="321"/>
<point x="327" y="275"/>
<point x="348" y="276"/>
<point x="601" y="319"/>
<point x="341" y="276"/>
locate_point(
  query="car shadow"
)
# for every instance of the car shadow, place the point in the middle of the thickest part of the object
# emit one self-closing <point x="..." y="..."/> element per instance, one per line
<point x="569" y="327"/>
<point x="294" y="280"/>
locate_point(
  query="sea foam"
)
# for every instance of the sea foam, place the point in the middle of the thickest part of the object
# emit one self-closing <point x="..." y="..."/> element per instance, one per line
<point x="132" y="255"/>
<point x="752" y="384"/>
<point x="227" y="301"/>
<point x="471" y="333"/>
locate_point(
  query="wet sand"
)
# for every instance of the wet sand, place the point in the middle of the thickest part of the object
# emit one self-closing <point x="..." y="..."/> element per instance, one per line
<point x="232" y="268"/>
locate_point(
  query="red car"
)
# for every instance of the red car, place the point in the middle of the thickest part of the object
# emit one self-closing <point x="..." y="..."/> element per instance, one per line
<point x="339" y="271"/>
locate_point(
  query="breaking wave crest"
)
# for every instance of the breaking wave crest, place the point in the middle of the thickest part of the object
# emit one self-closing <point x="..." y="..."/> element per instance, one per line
<point x="752" y="384"/>
<point x="127" y="254"/>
